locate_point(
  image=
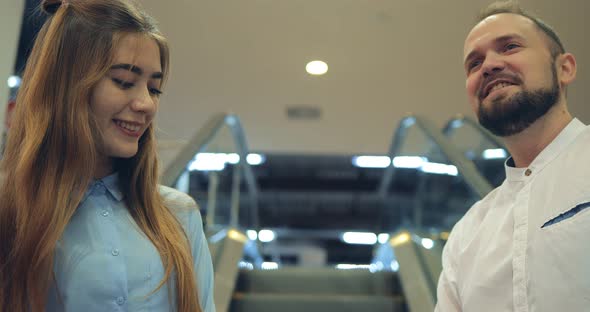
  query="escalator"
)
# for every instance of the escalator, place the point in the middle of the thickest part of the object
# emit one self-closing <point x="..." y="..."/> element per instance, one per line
<point x="318" y="289"/>
<point x="404" y="270"/>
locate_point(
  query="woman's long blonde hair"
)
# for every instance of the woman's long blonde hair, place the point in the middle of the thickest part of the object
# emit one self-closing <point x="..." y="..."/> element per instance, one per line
<point x="52" y="148"/>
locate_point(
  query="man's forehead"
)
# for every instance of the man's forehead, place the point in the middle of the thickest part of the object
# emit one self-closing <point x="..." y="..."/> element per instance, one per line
<point x="496" y="26"/>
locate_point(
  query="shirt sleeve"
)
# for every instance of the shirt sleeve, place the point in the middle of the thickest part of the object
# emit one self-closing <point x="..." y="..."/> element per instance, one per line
<point x="203" y="265"/>
<point x="447" y="294"/>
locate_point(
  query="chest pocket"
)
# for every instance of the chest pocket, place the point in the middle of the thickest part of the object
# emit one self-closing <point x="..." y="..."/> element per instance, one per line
<point x="568" y="215"/>
<point x="559" y="258"/>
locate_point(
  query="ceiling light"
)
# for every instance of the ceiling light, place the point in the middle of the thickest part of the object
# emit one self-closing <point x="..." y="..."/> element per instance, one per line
<point x="14" y="81"/>
<point x="252" y="235"/>
<point x="383" y="238"/>
<point x="495" y="153"/>
<point x="316" y="68"/>
<point x="270" y="265"/>
<point x="371" y="161"/>
<point x="427" y="243"/>
<point x="436" y="168"/>
<point x="394" y="266"/>
<point x="266" y="236"/>
<point x="208" y="162"/>
<point x="347" y="266"/>
<point x="411" y="162"/>
<point x="255" y="159"/>
<point x="362" y="238"/>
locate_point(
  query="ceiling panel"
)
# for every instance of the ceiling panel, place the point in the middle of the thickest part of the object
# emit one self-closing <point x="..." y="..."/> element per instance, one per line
<point x="386" y="58"/>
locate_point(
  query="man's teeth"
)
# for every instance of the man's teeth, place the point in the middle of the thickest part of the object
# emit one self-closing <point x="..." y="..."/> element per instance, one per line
<point x="500" y="86"/>
<point x="127" y="126"/>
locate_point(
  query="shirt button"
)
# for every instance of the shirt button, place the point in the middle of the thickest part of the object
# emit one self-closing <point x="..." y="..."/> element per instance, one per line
<point x="115" y="252"/>
<point x="528" y="172"/>
<point x="120" y="301"/>
<point x="105" y="213"/>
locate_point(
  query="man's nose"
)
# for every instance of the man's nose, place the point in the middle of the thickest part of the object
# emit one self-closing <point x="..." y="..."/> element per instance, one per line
<point x="493" y="64"/>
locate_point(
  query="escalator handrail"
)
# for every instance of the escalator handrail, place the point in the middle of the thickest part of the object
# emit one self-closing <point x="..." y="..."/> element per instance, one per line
<point x="199" y="142"/>
<point x="478" y="184"/>
<point x="449" y="129"/>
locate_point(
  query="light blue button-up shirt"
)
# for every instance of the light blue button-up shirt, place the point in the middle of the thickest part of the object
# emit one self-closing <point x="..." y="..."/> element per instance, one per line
<point x="104" y="262"/>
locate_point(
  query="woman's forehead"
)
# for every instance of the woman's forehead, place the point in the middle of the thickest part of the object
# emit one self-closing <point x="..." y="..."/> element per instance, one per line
<point x="140" y="51"/>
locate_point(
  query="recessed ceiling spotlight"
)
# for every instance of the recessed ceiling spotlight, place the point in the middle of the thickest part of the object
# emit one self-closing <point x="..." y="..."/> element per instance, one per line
<point x="316" y="68"/>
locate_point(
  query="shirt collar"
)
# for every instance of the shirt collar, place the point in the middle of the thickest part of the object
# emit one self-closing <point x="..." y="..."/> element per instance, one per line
<point x="111" y="183"/>
<point x="565" y="137"/>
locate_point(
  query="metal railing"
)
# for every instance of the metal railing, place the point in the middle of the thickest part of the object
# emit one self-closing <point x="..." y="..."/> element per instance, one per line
<point x="474" y="180"/>
<point x="198" y="143"/>
<point x="460" y="121"/>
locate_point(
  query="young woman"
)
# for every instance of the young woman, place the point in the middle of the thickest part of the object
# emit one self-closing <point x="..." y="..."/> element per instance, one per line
<point x="84" y="225"/>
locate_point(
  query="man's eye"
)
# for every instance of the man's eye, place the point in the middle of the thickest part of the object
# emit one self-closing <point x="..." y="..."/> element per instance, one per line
<point x="123" y="84"/>
<point x="511" y="46"/>
<point x="473" y="65"/>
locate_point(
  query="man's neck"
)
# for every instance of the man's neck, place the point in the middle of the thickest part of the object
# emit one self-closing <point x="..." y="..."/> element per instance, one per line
<point x="528" y="144"/>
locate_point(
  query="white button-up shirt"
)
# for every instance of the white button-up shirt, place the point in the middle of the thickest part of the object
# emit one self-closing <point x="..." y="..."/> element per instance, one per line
<point x="526" y="245"/>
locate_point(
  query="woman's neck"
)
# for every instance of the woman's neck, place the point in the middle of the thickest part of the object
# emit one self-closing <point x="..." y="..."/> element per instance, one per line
<point x="104" y="167"/>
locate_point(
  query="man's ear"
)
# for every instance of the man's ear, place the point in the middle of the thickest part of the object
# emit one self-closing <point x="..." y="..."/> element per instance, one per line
<point x="566" y="68"/>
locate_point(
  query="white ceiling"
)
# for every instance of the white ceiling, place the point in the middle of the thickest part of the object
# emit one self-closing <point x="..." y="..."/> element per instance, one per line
<point x="386" y="58"/>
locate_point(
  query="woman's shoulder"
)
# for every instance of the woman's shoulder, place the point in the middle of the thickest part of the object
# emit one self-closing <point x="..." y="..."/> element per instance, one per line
<point x="183" y="207"/>
<point x="176" y="199"/>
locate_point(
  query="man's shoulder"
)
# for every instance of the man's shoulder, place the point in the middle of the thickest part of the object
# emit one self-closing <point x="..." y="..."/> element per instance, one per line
<point x="582" y="142"/>
<point x="478" y="212"/>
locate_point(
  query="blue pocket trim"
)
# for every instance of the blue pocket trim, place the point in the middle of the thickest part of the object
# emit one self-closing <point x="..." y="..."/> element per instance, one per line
<point x="566" y="215"/>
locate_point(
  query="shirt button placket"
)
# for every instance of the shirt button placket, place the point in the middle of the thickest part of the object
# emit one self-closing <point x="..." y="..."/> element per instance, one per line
<point x="115" y="252"/>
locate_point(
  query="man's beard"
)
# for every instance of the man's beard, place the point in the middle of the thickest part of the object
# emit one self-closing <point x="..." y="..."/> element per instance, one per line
<point x="507" y="116"/>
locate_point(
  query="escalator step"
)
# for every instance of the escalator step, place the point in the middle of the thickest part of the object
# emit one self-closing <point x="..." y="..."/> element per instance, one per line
<point x="244" y="302"/>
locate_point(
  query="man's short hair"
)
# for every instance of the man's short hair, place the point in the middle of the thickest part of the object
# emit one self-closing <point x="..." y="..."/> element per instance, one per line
<point x="510" y="6"/>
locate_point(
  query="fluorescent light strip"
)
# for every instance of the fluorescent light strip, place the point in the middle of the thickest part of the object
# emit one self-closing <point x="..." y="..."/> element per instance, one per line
<point x="437" y="168"/>
<point x="208" y="162"/>
<point x="383" y="238"/>
<point x="495" y="153"/>
<point x="270" y="265"/>
<point x="232" y="158"/>
<point x="394" y="266"/>
<point x="246" y="265"/>
<point x="427" y="243"/>
<point x="409" y="162"/>
<point x="371" y="161"/>
<point x="346" y="266"/>
<point x="217" y="161"/>
<point x="252" y="235"/>
<point x="266" y="236"/>
<point x="360" y="238"/>
<point x="255" y="159"/>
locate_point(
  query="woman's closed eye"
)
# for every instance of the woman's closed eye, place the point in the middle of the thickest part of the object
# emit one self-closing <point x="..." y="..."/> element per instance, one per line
<point x="155" y="91"/>
<point x="128" y="85"/>
<point x="123" y="84"/>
